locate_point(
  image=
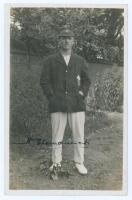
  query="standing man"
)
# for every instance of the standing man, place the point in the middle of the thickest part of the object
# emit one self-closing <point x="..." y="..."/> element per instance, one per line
<point x="65" y="83"/>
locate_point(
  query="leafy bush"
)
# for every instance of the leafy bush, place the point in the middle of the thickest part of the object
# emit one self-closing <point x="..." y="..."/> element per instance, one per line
<point x="107" y="92"/>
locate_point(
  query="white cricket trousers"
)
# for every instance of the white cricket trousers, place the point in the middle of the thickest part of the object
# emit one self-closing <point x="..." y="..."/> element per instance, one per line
<point x="76" y="122"/>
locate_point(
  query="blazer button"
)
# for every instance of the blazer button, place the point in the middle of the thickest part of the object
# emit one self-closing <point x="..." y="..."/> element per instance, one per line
<point x="66" y="71"/>
<point x="66" y="92"/>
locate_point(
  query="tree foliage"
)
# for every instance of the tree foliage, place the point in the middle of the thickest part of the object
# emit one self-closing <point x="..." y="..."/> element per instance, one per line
<point x="99" y="31"/>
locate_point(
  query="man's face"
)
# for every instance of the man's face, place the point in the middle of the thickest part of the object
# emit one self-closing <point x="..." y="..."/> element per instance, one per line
<point x="66" y="42"/>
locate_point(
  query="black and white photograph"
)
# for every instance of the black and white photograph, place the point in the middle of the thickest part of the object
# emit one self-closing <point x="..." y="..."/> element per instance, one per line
<point x="66" y="98"/>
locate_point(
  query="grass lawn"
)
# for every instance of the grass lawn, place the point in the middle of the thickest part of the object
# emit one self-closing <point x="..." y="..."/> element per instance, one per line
<point x="29" y="163"/>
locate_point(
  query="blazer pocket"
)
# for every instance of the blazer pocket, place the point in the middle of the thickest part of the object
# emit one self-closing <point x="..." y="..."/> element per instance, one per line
<point x="52" y="100"/>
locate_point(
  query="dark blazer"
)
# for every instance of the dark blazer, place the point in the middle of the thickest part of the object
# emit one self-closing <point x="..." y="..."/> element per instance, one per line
<point x="61" y="83"/>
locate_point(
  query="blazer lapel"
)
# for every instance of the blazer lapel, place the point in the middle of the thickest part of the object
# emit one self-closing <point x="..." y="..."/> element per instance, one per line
<point x="59" y="58"/>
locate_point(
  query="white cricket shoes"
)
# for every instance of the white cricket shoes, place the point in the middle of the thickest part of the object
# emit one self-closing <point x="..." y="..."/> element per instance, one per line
<point x="81" y="168"/>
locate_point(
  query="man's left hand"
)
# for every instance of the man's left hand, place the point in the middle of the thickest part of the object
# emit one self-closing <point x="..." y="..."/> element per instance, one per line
<point x="81" y="93"/>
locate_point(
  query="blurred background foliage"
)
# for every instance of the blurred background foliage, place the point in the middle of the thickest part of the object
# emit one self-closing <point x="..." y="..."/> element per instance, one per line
<point x="33" y="35"/>
<point x="99" y="32"/>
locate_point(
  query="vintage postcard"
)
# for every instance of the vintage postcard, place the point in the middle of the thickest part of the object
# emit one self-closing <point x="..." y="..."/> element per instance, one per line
<point x="66" y="99"/>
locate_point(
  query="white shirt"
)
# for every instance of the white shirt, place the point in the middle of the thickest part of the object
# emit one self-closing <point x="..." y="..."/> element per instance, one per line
<point x="66" y="58"/>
